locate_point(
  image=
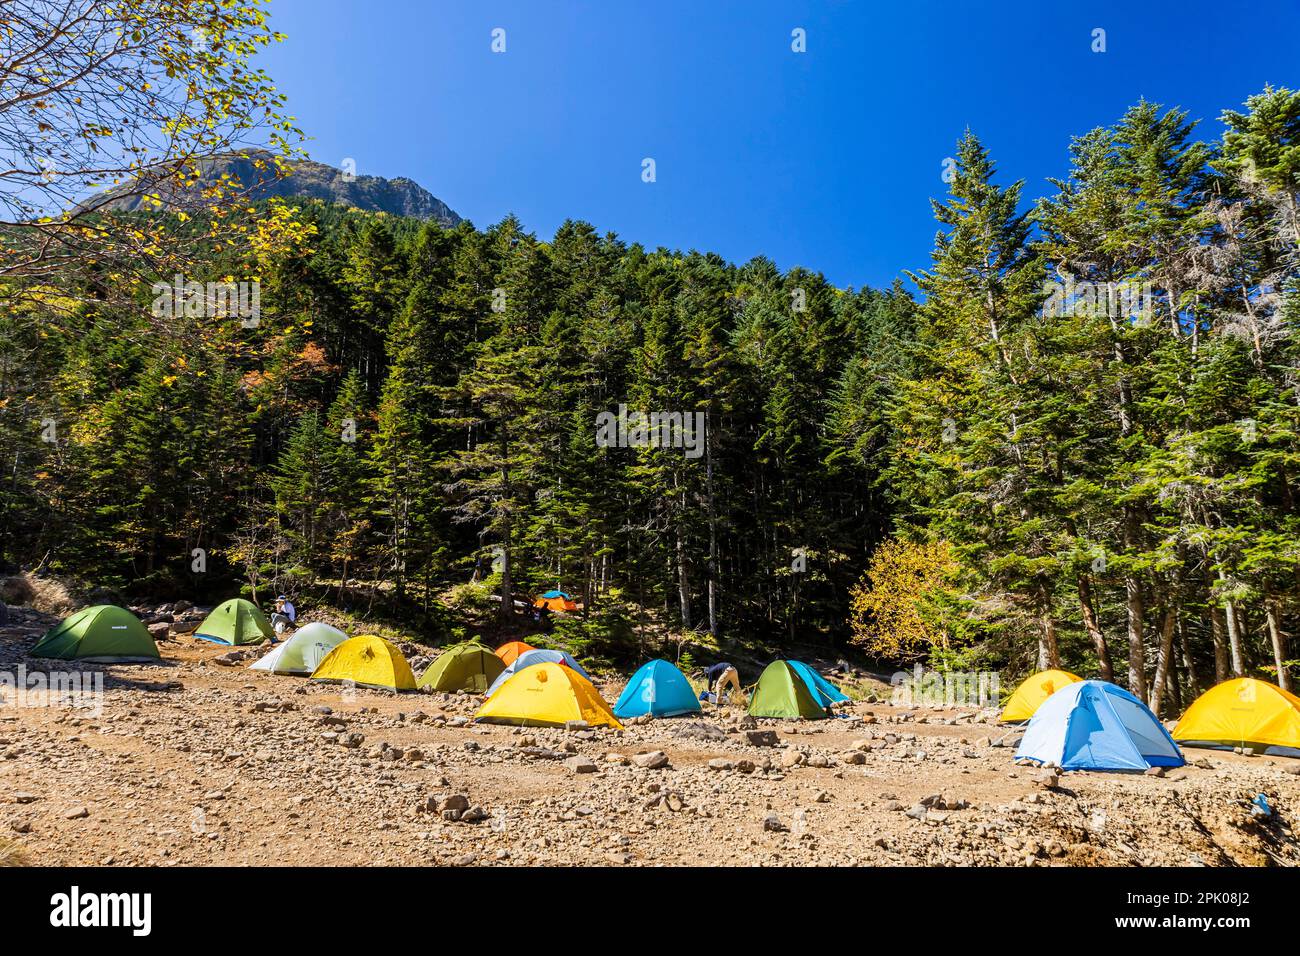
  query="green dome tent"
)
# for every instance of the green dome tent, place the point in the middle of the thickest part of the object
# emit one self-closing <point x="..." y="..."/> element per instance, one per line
<point x="781" y="692"/>
<point x="469" y="666"/>
<point x="235" y="622"/>
<point x="104" y="632"/>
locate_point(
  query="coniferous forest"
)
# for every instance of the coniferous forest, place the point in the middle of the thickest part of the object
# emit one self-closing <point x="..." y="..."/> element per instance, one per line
<point x="1071" y="438"/>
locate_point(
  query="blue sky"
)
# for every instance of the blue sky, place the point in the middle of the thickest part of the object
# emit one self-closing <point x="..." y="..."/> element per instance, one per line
<point x="825" y="159"/>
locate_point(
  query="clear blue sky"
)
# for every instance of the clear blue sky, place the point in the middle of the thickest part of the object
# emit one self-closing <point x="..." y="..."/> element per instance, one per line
<point x="824" y="159"/>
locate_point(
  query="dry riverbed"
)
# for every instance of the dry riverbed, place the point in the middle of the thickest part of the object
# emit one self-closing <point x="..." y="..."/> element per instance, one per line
<point x="195" y="762"/>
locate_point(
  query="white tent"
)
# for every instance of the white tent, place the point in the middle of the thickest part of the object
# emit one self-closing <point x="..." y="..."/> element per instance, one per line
<point x="303" y="652"/>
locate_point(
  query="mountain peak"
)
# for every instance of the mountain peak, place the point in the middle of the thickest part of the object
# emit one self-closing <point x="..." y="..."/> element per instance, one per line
<point x="399" y="196"/>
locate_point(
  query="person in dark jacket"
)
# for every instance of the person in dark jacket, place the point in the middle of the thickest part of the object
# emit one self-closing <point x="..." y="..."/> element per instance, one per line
<point x="720" y="675"/>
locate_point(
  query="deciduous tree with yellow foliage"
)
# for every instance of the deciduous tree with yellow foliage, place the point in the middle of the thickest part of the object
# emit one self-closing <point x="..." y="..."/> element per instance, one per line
<point x="896" y="609"/>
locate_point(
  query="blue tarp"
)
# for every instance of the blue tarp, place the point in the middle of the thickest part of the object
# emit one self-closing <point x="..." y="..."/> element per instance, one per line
<point x="823" y="691"/>
<point x="658" y="689"/>
<point x="1094" y="725"/>
<point x="558" y="594"/>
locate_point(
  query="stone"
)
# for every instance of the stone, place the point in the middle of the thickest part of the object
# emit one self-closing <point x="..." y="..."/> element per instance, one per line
<point x="762" y="738"/>
<point x="654" y="760"/>
<point x="720" y="764"/>
<point x="772" y="824"/>
<point x="578" y="765"/>
<point x="77" y="813"/>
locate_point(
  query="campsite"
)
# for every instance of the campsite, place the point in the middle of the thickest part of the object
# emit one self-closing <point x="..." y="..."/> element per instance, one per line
<point x="731" y="436"/>
<point x="200" y="758"/>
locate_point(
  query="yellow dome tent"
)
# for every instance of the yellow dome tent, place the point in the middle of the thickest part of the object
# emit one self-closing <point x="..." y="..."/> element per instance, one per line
<point x="369" y="661"/>
<point x="547" y="695"/>
<point x="1243" y="713"/>
<point x="1029" y="696"/>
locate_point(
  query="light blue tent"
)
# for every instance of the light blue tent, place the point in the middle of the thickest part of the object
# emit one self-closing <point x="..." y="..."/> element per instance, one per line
<point x="1093" y="725"/>
<point x="823" y="691"/>
<point x="658" y="689"/>
<point x="537" y="655"/>
<point x="558" y="594"/>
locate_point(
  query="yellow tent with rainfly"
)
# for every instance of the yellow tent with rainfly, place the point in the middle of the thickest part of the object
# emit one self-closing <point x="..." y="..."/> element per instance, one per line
<point x="369" y="661"/>
<point x="547" y="695"/>
<point x="1029" y="696"/>
<point x="1243" y="713"/>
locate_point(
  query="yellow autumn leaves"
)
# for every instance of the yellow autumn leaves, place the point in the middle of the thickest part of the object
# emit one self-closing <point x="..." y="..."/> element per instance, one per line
<point x="892" y="608"/>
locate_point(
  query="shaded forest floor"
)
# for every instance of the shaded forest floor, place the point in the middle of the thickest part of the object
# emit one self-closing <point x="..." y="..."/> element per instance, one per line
<point x="193" y="762"/>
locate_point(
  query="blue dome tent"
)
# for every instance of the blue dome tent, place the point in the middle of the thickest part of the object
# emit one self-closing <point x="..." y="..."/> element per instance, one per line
<point x="1093" y="725"/>
<point x="823" y="691"/>
<point x="658" y="689"/>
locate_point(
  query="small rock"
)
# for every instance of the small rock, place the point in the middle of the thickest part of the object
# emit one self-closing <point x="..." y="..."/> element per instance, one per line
<point x="654" y="760"/>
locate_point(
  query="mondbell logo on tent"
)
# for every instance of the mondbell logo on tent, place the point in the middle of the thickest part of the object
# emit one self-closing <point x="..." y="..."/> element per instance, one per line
<point x="74" y="909"/>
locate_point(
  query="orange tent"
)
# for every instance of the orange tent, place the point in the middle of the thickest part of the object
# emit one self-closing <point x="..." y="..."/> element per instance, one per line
<point x="509" y="652"/>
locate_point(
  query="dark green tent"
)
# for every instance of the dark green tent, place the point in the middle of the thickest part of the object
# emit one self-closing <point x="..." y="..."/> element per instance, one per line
<point x="235" y="622"/>
<point x="104" y="632"/>
<point x="469" y="666"/>
<point x="781" y="692"/>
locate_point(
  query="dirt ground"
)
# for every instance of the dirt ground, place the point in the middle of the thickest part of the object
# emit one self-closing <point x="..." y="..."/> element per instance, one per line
<point x="190" y="762"/>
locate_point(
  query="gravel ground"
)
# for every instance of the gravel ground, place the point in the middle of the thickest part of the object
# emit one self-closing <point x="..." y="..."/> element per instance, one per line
<point x="194" y="762"/>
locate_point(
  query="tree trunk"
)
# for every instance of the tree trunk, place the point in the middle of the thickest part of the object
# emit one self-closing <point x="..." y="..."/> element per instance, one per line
<point x="1221" y="665"/>
<point x="1092" y="625"/>
<point x="1137" y="659"/>
<point x="713" y="532"/>
<point x="1049" y="655"/>
<point x="1272" y="607"/>
<point x="1189" y="665"/>
<point x="1163" y="658"/>
<point x="1234" y="640"/>
<point x="683" y="579"/>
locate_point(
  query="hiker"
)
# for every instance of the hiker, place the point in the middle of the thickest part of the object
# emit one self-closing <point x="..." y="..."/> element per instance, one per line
<point x="720" y="675"/>
<point x="284" y="614"/>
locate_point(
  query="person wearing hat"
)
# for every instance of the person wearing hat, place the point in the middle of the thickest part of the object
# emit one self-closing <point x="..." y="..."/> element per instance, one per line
<point x="284" y="614"/>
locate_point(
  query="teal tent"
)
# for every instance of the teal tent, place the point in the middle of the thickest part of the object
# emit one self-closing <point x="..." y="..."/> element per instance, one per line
<point x="823" y="691"/>
<point x="658" y="689"/>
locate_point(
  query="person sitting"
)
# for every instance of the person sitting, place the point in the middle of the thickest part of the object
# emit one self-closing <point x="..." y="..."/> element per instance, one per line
<point x="284" y="614"/>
